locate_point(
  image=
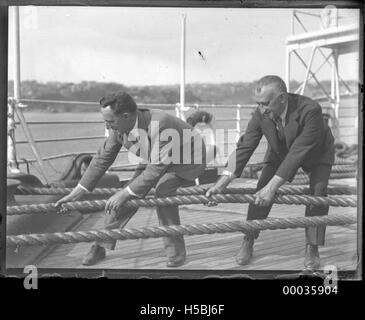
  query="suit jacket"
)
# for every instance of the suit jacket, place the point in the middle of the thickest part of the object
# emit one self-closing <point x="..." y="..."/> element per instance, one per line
<point x="309" y="140"/>
<point x="152" y="123"/>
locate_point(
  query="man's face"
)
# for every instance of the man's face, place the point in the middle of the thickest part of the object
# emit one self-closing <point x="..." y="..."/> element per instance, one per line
<point x="118" y="122"/>
<point x="270" y="101"/>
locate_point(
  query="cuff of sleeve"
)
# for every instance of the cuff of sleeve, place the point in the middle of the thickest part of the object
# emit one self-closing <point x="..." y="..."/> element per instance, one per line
<point x="82" y="187"/>
<point x="131" y="192"/>
<point x="226" y="173"/>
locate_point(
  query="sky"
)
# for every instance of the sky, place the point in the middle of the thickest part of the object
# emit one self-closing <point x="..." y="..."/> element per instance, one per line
<point x="141" y="46"/>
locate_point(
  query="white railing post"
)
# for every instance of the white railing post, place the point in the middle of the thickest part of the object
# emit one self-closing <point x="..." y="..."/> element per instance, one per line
<point x="12" y="161"/>
<point x="177" y="110"/>
<point x="336" y="96"/>
<point x="238" y="122"/>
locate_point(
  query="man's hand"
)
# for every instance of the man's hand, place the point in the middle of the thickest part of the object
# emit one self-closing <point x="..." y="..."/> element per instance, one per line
<point x="209" y="193"/>
<point x="116" y="201"/>
<point x="75" y="194"/>
<point x="221" y="184"/>
<point x="265" y="196"/>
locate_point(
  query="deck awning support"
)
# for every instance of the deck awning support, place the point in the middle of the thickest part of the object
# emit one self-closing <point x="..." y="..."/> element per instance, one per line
<point x="180" y="107"/>
<point x="335" y="38"/>
<point x="309" y="66"/>
<point x="313" y="76"/>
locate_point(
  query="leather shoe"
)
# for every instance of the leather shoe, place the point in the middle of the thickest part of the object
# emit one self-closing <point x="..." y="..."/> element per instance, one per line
<point x="311" y="259"/>
<point x="96" y="254"/>
<point x="244" y="254"/>
<point x="176" y="262"/>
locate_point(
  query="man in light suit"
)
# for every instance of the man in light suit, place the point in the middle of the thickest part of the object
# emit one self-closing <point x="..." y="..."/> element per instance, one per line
<point x="174" y="159"/>
<point x="297" y="136"/>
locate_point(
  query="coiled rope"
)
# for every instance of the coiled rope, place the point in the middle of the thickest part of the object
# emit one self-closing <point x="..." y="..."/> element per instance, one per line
<point x="346" y="161"/>
<point x="342" y="150"/>
<point x="304" y="179"/>
<point x="186" y="230"/>
<point x="339" y="201"/>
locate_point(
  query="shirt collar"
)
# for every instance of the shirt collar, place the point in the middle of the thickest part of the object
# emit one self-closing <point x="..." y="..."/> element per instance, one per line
<point x="136" y="124"/>
<point x="283" y="114"/>
<point x="135" y="132"/>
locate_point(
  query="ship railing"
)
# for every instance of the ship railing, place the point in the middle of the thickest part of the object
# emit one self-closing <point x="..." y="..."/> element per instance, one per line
<point x="237" y="119"/>
<point x="170" y="107"/>
<point x="23" y="103"/>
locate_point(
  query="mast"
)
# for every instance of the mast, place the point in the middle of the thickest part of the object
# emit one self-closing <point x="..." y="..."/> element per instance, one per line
<point x="12" y="161"/>
<point x="182" y="68"/>
<point x="17" y="94"/>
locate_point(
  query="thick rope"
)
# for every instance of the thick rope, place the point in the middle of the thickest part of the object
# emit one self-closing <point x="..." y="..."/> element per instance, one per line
<point x="288" y="190"/>
<point x="344" y="201"/>
<point x="346" y="161"/>
<point x="343" y="168"/>
<point x="186" y="230"/>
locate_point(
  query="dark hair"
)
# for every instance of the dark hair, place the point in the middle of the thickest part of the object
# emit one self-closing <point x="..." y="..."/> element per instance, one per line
<point x="199" y="116"/>
<point x="271" y="80"/>
<point x="119" y="103"/>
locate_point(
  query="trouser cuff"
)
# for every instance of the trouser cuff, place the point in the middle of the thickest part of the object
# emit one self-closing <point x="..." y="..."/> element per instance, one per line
<point x="315" y="235"/>
<point x="107" y="244"/>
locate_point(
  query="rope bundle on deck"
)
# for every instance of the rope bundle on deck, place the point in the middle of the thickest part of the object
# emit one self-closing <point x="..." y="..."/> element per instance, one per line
<point x="304" y="179"/>
<point x="345" y="165"/>
<point x="163" y="231"/>
<point x="344" y="151"/>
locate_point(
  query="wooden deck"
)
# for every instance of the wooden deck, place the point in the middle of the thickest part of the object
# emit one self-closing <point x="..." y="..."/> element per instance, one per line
<point x="274" y="250"/>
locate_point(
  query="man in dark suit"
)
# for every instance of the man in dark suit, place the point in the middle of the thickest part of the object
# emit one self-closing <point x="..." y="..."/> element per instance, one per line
<point x="297" y="136"/>
<point x="175" y="157"/>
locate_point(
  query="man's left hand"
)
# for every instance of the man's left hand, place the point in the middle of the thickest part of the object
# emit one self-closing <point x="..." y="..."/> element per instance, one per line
<point x="265" y="196"/>
<point x="116" y="201"/>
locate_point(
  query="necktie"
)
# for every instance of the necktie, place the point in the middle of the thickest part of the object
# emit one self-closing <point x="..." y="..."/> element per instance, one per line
<point x="144" y="146"/>
<point x="280" y="128"/>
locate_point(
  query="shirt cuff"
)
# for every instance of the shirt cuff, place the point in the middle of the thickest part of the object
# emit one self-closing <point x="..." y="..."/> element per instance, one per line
<point x="82" y="187"/>
<point x="131" y="192"/>
<point x="226" y="173"/>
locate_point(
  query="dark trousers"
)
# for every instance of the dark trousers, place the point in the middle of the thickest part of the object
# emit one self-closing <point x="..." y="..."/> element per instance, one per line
<point x="166" y="186"/>
<point x="318" y="181"/>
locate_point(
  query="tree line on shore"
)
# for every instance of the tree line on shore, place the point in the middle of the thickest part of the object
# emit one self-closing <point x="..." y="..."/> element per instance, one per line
<point x="195" y="93"/>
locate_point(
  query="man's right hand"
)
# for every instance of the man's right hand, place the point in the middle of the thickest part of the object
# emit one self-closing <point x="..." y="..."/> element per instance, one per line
<point x="75" y="194"/>
<point x="220" y="185"/>
<point x="211" y="191"/>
